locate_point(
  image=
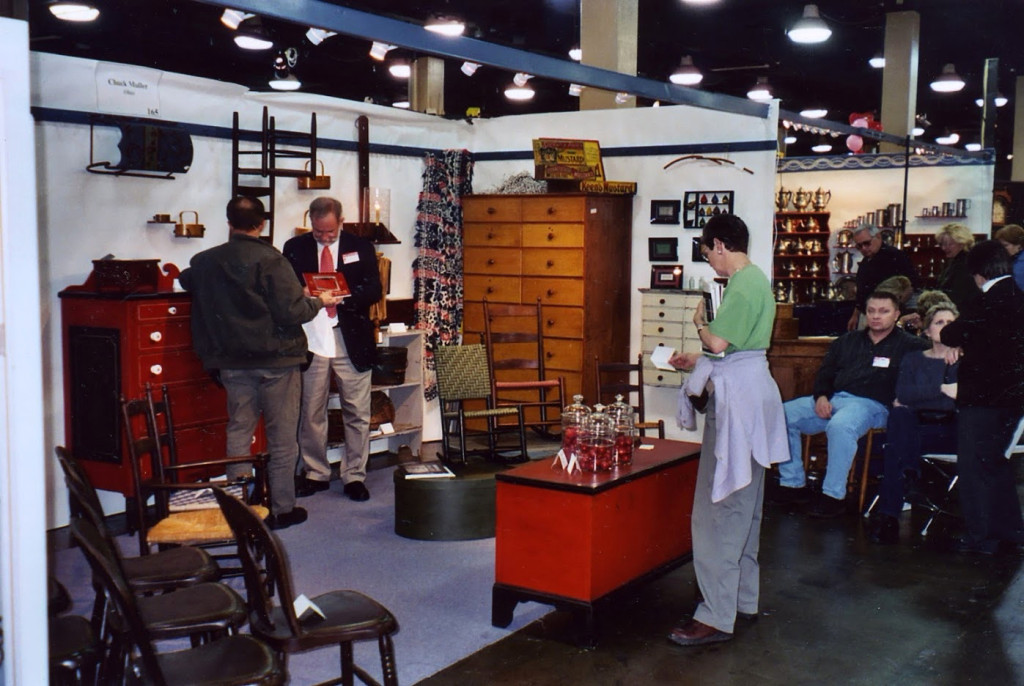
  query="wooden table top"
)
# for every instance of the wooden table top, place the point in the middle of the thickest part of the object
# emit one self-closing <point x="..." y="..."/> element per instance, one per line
<point x="544" y="473"/>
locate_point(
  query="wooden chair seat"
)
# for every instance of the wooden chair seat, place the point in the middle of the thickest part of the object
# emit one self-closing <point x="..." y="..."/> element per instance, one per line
<point x="195" y="527"/>
<point x="851" y="483"/>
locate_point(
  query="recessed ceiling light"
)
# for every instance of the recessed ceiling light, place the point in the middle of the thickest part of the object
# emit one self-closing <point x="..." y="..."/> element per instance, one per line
<point x="810" y="28"/>
<point x="575" y="54"/>
<point x="401" y="104"/>
<point x="948" y="139"/>
<point x="813" y="113"/>
<point x="73" y="11"/>
<point x="761" y="90"/>
<point x="251" y="36"/>
<point x="973" y="147"/>
<point x="288" y="82"/>
<point x="686" y="74"/>
<point x="789" y="139"/>
<point x="948" y="81"/>
<point x="917" y="131"/>
<point x="400" y="69"/>
<point x="878" y="61"/>
<point x="823" y="146"/>
<point x="520" y="89"/>
<point x="999" y="100"/>
<point x="445" y="26"/>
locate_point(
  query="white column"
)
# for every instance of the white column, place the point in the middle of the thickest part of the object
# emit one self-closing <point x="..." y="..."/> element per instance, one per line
<point x="899" y="77"/>
<point x="608" y="39"/>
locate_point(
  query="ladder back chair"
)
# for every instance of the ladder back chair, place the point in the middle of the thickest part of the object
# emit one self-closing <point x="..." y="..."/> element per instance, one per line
<point x="617" y="378"/>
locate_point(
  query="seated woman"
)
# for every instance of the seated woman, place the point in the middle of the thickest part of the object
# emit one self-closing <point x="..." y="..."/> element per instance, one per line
<point x="922" y="420"/>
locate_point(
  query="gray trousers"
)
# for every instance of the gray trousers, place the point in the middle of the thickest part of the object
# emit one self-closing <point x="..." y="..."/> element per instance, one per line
<point x="274" y="393"/>
<point x="726" y="538"/>
<point x="354" y="392"/>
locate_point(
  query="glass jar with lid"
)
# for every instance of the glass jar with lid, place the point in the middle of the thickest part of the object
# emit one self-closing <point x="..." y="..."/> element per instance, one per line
<point x="621" y="413"/>
<point x="574" y="419"/>
<point x="597" y="443"/>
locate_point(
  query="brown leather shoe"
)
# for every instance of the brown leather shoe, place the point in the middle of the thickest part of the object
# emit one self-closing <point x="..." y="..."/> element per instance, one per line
<point x="695" y="633"/>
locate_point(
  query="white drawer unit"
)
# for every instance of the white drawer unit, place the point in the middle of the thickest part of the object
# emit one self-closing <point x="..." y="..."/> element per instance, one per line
<point x="667" y="321"/>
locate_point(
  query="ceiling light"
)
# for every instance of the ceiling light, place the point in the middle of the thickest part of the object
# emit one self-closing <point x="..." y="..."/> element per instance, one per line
<point x="317" y="36"/>
<point x="973" y="147"/>
<point x="251" y="35"/>
<point x="999" y="100"/>
<point x="575" y="54"/>
<point x="73" y="11"/>
<point x="761" y="90"/>
<point x="400" y="69"/>
<point x="810" y="28"/>
<point x="520" y="88"/>
<point x="378" y="50"/>
<point x="813" y="113"/>
<point x="622" y="97"/>
<point x="286" y="82"/>
<point x="948" y="81"/>
<point x="917" y="131"/>
<point x="469" y="68"/>
<point x="232" y="18"/>
<point x="401" y="104"/>
<point x="700" y="2"/>
<point x="445" y="26"/>
<point x="686" y="74"/>
<point x="822" y="146"/>
<point x="878" y="61"/>
<point x="656" y="103"/>
<point x="948" y="139"/>
<point x="575" y="89"/>
<point x="789" y="139"/>
<point x="521" y="78"/>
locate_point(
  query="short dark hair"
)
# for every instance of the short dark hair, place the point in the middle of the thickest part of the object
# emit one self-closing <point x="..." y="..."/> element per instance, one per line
<point x="323" y="206"/>
<point x="989" y="260"/>
<point x="885" y="295"/>
<point x="245" y="213"/>
<point x="729" y="229"/>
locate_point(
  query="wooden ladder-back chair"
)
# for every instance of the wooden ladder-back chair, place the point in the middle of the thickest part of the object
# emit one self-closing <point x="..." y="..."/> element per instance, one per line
<point x="228" y="660"/>
<point x="185" y="511"/>
<point x="514" y="338"/>
<point x="463" y="375"/>
<point x="348" y="616"/>
<point x="617" y="378"/>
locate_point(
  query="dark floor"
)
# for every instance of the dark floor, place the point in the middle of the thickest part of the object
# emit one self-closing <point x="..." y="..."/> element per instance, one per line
<point x="835" y="609"/>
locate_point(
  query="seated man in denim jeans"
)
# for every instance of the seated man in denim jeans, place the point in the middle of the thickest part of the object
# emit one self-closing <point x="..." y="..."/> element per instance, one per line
<point x="852" y="393"/>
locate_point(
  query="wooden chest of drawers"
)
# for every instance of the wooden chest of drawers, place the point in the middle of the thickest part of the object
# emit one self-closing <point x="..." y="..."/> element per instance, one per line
<point x="572" y="252"/>
<point x="114" y="344"/>
<point x="667" y="321"/>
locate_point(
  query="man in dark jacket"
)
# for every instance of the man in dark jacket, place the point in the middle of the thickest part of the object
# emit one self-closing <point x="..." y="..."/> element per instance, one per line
<point x="247" y="315"/>
<point x="990" y="400"/>
<point x="342" y="343"/>
<point x="879" y="262"/>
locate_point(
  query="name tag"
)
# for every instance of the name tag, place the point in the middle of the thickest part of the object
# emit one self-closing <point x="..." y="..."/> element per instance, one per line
<point x="350" y="257"/>
<point x="882" y="362"/>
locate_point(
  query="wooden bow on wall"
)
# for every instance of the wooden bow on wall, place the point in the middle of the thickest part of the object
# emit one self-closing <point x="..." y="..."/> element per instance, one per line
<point x="716" y="160"/>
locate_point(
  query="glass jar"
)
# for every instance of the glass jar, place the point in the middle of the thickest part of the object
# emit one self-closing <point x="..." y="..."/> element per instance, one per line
<point x="621" y="413"/>
<point x="574" y="419"/>
<point x="597" y="442"/>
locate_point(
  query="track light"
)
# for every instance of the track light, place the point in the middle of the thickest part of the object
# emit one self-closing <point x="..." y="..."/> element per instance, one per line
<point x="379" y="50"/>
<point x="575" y="89"/>
<point x="948" y="81"/>
<point x="810" y="28"/>
<point x="232" y="18"/>
<point x="251" y="36"/>
<point x="469" y="68"/>
<point x="317" y="36"/>
<point x="445" y="26"/>
<point x="686" y="74"/>
<point x="760" y="90"/>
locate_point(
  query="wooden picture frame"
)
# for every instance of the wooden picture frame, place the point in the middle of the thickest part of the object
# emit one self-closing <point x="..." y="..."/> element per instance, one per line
<point x="332" y="282"/>
<point x="663" y="249"/>
<point x="667" y="276"/>
<point x="665" y="211"/>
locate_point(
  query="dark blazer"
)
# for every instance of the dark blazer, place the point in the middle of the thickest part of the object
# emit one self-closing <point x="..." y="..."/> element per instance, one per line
<point x="991" y="334"/>
<point x="363" y="279"/>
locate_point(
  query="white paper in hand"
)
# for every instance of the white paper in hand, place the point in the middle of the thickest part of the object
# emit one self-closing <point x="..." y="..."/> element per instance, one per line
<point x="660" y="357"/>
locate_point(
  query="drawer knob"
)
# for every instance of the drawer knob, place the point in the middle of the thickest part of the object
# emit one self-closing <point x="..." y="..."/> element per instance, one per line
<point x="172" y="310"/>
<point x="661" y="329"/>
<point x="156" y="370"/>
<point x="551" y="322"/>
<point x="660" y="377"/>
<point x="156" y="336"/>
<point x="551" y="292"/>
<point x="490" y="263"/>
<point x="661" y="314"/>
<point x="549" y="355"/>
<point x="490" y="289"/>
<point x="490" y="235"/>
<point x="661" y="301"/>
<point x="491" y="210"/>
<point x="660" y="345"/>
<point x="551" y="210"/>
<point x="551" y="263"/>
<point x="551" y="235"/>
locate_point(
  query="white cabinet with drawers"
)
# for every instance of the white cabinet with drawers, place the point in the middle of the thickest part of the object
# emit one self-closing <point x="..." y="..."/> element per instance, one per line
<point x="667" y="321"/>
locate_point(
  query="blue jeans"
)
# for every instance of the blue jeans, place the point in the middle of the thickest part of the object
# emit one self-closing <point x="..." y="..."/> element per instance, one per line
<point x="852" y="416"/>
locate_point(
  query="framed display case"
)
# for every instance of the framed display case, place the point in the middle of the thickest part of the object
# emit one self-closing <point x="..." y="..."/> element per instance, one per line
<point x="663" y="249"/>
<point x="667" y="276"/>
<point x="699" y="206"/>
<point x="665" y="211"/>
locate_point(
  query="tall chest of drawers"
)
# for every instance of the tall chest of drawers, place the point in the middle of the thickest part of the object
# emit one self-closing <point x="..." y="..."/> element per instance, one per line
<point x="115" y="344"/>
<point x="571" y="251"/>
<point x="667" y="320"/>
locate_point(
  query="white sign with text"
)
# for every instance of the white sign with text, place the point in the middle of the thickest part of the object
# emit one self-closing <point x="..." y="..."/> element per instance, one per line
<point x="126" y="89"/>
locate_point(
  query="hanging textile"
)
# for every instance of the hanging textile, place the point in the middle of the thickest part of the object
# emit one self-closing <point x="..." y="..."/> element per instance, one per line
<point x="437" y="270"/>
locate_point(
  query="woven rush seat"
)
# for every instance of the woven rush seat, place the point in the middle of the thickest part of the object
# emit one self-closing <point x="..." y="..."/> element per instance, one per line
<point x="193" y="527"/>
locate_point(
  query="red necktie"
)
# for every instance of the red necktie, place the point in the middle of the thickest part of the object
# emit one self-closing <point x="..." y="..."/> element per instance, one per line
<point x="327" y="267"/>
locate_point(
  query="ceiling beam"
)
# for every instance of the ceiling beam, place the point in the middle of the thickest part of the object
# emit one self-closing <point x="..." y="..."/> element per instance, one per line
<point x="348" y="21"/>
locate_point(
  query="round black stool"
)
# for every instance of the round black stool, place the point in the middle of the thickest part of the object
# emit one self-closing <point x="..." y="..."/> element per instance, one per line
<point x="452" y="509"/>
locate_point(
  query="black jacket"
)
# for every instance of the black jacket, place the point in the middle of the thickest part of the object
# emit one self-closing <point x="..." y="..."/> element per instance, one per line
<point x="991" y="334"/>
<point x="363" y="279"/>
<point x="853" y="363"/>
<point x="247" y="310"/>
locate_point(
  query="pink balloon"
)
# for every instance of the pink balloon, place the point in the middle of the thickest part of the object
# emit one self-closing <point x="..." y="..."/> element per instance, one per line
<point x="854" y="143"/>
<point x="860" y="123"/>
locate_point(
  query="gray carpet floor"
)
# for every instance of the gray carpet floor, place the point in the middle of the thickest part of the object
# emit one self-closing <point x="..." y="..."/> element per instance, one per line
<point x="439" y="591"/>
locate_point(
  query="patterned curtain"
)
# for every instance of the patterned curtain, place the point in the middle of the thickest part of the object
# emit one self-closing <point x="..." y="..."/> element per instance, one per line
<point x="437" y="270"/>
